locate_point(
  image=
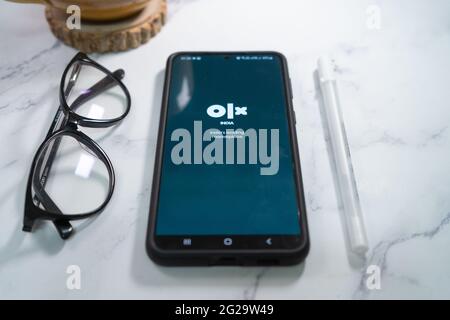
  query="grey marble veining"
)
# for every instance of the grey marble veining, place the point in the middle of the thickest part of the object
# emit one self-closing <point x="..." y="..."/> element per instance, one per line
<point x="394" y="90"/>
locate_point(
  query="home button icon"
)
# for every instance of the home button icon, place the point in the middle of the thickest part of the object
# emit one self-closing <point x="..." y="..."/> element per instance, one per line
<point x="228" y="241"/>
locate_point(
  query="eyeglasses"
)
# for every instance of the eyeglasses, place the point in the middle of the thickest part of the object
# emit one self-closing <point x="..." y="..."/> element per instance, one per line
<point x="71" y="177"/>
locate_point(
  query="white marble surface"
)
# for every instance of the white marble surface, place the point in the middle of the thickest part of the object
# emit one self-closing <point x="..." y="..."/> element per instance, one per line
<point x="395" y="93"/>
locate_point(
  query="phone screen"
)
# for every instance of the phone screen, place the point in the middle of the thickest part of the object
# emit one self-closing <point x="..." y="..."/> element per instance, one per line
<point x="227" y="166"/>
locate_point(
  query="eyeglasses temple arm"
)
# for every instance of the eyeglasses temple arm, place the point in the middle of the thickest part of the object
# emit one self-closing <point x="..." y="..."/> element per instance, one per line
<point x="64" y="227"/>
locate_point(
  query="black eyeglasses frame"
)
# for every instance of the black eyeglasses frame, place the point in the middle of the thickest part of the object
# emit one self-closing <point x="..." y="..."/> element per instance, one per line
<point x="65" y="123"/>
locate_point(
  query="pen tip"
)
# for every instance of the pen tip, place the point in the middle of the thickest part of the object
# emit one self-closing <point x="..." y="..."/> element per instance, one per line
<point x="325" y="68"/>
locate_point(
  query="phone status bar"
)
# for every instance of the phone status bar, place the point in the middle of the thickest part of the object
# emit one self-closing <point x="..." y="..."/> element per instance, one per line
<point x="254" y="58"/>
<point x="235" y="57"/>
<point x="189" y="58"/>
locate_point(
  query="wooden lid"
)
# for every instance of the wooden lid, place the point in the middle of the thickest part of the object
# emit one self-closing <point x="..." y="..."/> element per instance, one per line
<point x="110" y="36"/>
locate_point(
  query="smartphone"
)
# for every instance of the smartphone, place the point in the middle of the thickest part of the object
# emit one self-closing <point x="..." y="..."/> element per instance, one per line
<point x="227" y="186"/>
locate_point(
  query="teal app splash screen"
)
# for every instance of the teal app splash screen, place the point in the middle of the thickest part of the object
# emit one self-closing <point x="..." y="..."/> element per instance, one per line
<point x="227" y="159"/>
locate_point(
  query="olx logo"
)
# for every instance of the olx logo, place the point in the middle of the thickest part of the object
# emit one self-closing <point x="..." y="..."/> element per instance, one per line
<point x="218" y="111"/>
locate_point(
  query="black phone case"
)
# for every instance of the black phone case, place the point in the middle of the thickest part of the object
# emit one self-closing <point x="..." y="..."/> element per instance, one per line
<point x="257" y="257"/>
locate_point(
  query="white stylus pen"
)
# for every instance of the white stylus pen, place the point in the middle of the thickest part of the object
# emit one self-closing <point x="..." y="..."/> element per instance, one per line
<point x="341" y="152"/>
